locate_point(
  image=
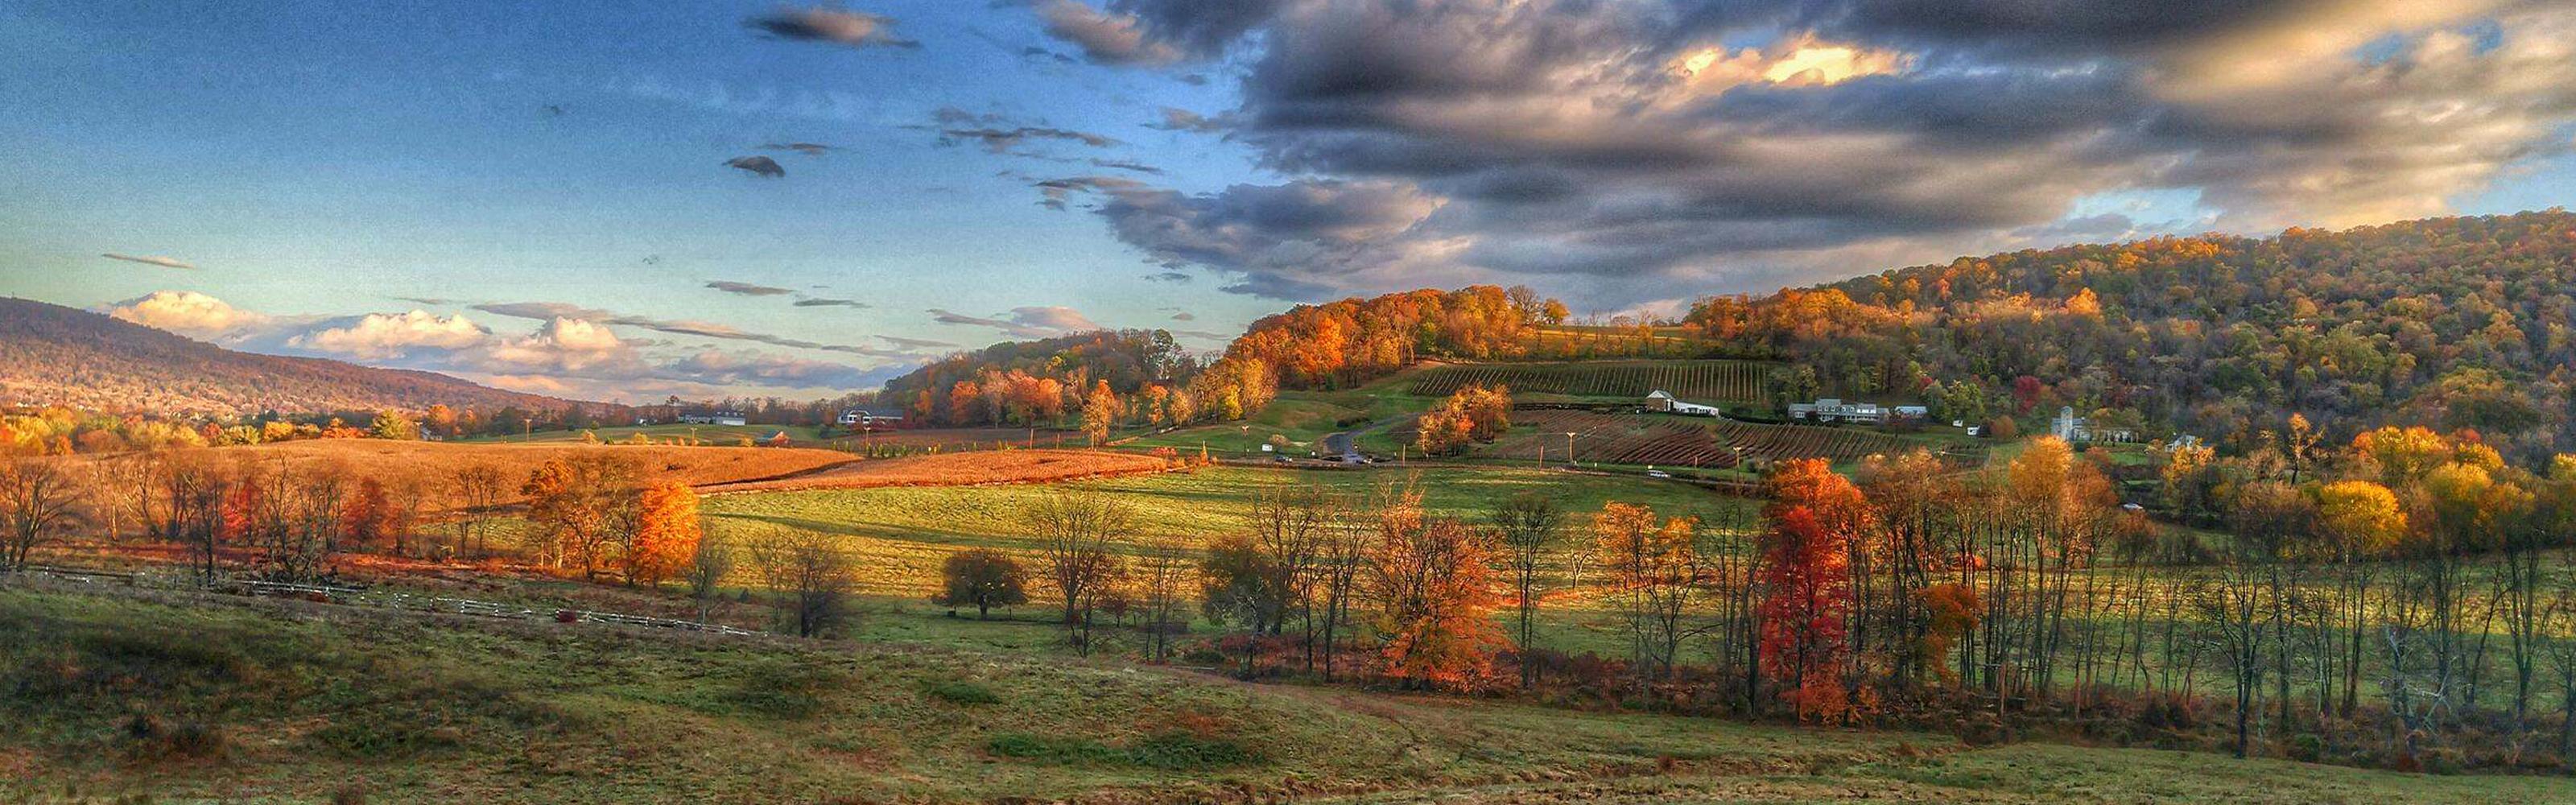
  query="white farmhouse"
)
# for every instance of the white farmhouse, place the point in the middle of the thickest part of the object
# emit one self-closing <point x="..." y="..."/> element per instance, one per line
<point x="1829" y="409"/>
<point x="1661" y="400"/>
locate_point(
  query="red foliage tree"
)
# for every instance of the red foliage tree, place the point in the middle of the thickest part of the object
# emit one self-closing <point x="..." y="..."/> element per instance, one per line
<point x="1806" y="595"/>
<point x="367" y="519"/>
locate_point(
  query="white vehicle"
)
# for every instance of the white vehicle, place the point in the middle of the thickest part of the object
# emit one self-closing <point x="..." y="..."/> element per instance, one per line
<point x="1658" y="474"/>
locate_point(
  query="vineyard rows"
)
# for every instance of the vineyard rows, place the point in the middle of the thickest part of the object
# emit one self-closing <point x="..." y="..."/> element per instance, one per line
<point x="1614" y="439"/>
<point x="1710" y="380"/>
<point x="1806" y="441"/>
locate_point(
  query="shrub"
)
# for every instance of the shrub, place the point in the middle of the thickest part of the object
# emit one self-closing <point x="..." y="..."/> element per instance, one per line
<point x="1182" y="751"/>
<point x="366" y="737"/>
<point x="776" y="692"/>
<point x="1052" y="749"/>
<point x="1170" y="751"/>
<point x="153" y="737"/>
<point x="963" y="692"/>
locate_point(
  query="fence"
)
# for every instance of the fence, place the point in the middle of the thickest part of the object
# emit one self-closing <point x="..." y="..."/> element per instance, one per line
<point x="382" y="599"/>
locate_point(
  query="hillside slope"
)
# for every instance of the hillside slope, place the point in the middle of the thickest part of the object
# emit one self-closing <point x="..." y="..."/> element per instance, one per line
<point x="55" y="355"/>
<point x="2450" y="323"/>
<point x="161" y="696"/>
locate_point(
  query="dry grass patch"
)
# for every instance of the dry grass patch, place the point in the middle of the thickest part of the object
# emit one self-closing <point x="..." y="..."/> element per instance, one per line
<point x="397" y="463"/>
<point x="961" y="469"/>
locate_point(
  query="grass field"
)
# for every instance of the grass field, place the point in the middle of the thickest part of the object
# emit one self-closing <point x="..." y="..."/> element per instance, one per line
<point x="1304" y="417"/>
<point x="898" y="536"/>
<point x="127" y="696"/>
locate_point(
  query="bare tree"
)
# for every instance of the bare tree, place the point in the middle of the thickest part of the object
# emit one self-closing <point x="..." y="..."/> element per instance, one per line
<point x="1528" y="524"/>
<point x="126" y="486"/>
<point x="1162" y="579"/>
<point x="195" y="487"/>
<point x="474" y="491"/>
<point x="39" y="499"/>
<point x="1288" y="526"/>
<point x="708" y="566"/>
<point x="1075" y="532"/>
<point x="810" y="579"/>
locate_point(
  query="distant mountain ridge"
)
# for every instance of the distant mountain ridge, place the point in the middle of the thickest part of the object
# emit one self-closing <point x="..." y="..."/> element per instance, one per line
<point x="56" y="355"/>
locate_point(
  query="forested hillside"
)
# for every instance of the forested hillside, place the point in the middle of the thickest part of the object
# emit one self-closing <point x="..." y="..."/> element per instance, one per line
<point x="1018" y="382"/>
<point x="55" y="355"/>
<point x="2449" y="323"/>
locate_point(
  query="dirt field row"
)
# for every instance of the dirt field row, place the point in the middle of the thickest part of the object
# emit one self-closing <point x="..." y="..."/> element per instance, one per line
<point x="958" y="469"/>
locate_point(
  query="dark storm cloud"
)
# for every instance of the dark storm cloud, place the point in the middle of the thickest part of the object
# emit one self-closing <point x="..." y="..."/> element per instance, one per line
<point x="1152" y="32"/>
<point x="808" y="149"/>
<point x="164" y="262"/>
<point x="999" y="140"/>
<point x="1126" y="165"/>
<point x="853" y="28"/>
<point x="1055" y="194"/>
<point x="762" y="166"/>
<point x="747" y="289"/>
<point x="916" y="343"/>
<point x="818" y="301"/>
<point x="1643" y="144"/>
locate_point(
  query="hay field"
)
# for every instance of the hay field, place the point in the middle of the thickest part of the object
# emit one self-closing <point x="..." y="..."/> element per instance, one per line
<point x="397" y="463"/>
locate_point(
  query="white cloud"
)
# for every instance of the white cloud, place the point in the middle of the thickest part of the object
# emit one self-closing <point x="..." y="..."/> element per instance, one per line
<point x="188" y="313"/>
<point x="1107" y="37"/>
<point x="565" y="345"/>
<point x="391" y="335"/>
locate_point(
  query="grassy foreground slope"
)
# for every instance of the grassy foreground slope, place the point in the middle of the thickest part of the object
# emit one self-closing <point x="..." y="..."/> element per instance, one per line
<point x="125" y="695"/>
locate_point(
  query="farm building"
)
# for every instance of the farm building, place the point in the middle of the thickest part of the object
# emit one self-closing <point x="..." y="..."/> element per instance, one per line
<point x="713" y="418"/>
<point x="861" y="417"/>
<point x="1829" y="409"/>
<point x="2074" y="428"/>
<point x="1661" y="400"/>
<point x="1912" y="412"/>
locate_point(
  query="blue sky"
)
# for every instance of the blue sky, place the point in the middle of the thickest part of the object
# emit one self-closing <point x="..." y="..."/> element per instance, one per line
<point x="316" y="163"/>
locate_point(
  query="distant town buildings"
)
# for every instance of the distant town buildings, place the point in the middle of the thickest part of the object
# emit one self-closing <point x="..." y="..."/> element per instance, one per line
<point x="2074" y="428"/>
<point x="861" y="417"/>
<point x="713" y="418"/>
<point x="1661" y="400"/>
<point x="1830" y="409"/>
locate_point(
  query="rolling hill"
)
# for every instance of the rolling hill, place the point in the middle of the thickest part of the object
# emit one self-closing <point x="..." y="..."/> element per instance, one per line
<point x="55" y="355"/>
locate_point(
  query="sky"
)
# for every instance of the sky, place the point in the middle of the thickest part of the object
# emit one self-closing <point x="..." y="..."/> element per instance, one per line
<point x="622" y="201"/>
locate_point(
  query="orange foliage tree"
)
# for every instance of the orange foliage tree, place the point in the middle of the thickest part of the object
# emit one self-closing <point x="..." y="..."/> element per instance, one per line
<point x="1436" y="602"/>
<point x="666" y="535"/>
<point x="1650" y="570"/>
<point x="1475" y="413"/>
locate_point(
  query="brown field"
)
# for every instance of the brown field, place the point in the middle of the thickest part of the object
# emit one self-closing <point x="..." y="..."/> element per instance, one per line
<point x="960" y="469"/>
<point x="396" y="463"/>
<point x="947" y="439"/>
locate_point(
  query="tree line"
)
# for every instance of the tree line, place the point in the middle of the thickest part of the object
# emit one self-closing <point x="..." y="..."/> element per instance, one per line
<point x="2403" y="600"/>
